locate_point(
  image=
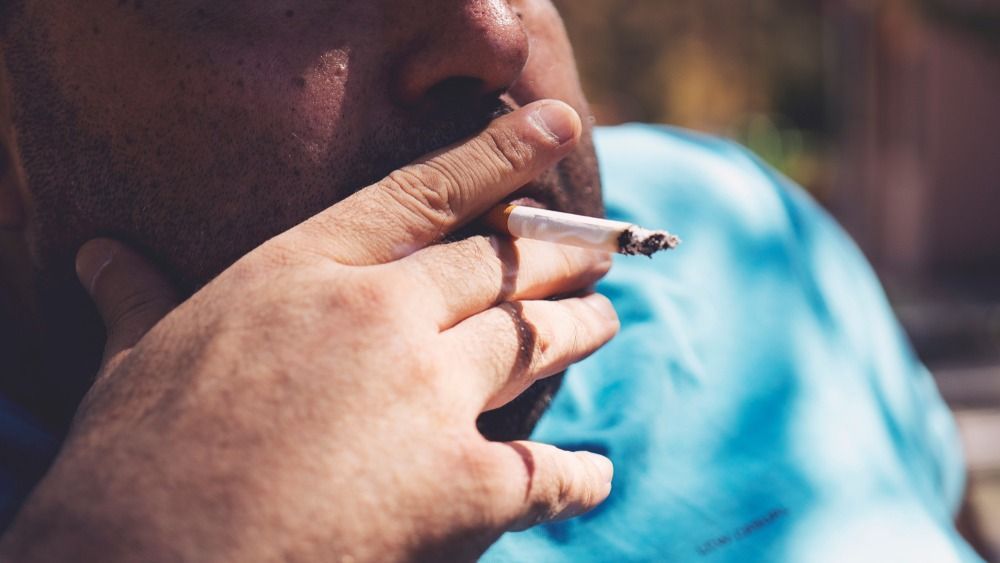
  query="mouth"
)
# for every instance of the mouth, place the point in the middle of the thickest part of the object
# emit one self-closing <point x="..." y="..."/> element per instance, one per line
<point x="526" y="201"/>
<point x="530" y="195"/>
<point x="540" y="192"/>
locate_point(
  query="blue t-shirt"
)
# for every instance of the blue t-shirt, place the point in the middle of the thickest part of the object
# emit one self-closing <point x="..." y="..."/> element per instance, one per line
<point x="761" y="402"/>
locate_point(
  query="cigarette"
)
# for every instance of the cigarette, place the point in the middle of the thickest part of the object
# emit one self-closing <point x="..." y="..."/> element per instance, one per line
<point x="579" y="230"/>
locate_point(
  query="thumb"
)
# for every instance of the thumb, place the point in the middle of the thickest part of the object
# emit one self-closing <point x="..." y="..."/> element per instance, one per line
<point x="554" y="484"/>
<point x="130" y="293"/>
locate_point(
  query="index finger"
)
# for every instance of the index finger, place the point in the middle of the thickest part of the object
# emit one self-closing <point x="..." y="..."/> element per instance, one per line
<point x="418" y="204"/>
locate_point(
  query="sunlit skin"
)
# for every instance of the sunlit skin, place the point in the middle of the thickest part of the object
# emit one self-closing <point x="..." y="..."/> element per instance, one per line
<point x="194" y="131"/>
<point x="301" y="328"/>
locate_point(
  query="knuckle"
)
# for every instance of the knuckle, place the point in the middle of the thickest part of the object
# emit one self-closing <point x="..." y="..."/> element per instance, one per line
<point x="271" y="261"/>
<point x="541" y="352"/>
<point x="474" y="263"/>
<point x="270" y="258"/>
<point x="556" y="345"/>
<point x="460" y="268"/>
<point x="507" y="149"/>
<point x="480" y="248"/>
<point x="423" y="190"/>
<point x="369" y="292"/>
<point x="466" y="257"/>
<point x="473" y="463"/>
<point x="423" y="374"/>
<point x="581" y="340"/>
<point x="549" y="343"/>
<point x="482" y="474"/>
<point x="574" y="263"/>
<point x="563" y="493"/>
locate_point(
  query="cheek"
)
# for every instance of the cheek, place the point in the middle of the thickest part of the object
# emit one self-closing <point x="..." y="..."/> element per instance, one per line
<point x="216" y="99"/>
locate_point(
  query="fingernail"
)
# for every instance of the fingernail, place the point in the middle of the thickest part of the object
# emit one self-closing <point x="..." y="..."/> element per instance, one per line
<point x="602" y="305"/>
<point x="557" y="120"/>
<point x="91" y="260"/>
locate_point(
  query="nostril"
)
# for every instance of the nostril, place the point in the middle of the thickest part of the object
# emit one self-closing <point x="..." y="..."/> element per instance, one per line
<point x="463" y="53"/>
<point x="455" y="90"/>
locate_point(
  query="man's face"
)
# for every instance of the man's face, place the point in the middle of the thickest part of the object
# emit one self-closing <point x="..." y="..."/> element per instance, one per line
<point x="197" y="129"/>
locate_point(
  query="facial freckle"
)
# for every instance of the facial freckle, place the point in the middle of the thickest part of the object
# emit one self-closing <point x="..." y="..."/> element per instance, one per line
<point x="299" y="81"/>
<point x="289" y="13"/>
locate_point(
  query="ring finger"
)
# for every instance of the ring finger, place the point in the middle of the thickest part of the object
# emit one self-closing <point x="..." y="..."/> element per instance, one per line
<point x="514" y="344"/>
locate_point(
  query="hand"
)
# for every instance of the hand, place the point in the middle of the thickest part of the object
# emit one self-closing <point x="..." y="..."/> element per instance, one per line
<point x="317" y="400"/>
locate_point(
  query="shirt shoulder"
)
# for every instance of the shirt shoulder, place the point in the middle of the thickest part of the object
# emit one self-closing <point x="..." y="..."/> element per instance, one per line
<point x="761" y="401"/>
<point x="696" y="181"/>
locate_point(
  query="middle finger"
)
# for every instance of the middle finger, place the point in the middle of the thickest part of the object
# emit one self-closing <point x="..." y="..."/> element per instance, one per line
<point x="463" y="278"/>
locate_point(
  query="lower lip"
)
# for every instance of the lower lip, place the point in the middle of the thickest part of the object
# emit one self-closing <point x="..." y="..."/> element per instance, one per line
<point x="528" y="202"/>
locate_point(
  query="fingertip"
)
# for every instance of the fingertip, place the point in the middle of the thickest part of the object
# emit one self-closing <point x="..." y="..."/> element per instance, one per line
<point x="603" y="307"/>
<point x="594" y="489"/>
<point x="603" y="262"/>
<point x="557" y="120"/>
<point x="605" y="467"/>
<point x="600" y="473"/>
<point x="92" y="259"/>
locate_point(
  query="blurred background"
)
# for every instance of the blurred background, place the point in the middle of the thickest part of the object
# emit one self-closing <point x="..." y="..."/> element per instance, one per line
<point x="887" y="112"/>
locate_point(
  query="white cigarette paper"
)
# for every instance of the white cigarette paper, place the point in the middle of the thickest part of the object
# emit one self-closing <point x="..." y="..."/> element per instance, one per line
<point x="579" y="230"/>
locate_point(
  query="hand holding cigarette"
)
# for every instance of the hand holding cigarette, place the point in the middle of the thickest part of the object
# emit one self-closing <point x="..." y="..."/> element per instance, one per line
<point x="579" y="230"/>
<point x="327" y="385"/>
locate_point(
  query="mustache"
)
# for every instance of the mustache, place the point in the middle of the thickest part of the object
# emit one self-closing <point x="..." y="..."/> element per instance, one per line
<point x="408" y="138"/>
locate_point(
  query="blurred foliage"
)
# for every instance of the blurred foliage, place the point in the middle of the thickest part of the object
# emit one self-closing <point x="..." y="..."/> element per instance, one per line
<point x="758" y="71"/>
<point x="752" y="70"/>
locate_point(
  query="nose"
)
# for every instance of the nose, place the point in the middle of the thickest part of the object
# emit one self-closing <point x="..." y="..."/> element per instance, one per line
<point x="466" y="52"/>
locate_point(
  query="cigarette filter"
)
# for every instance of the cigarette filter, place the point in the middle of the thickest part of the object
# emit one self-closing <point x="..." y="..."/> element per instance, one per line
<point x="579" y="230"/>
